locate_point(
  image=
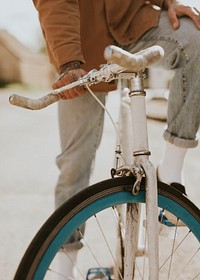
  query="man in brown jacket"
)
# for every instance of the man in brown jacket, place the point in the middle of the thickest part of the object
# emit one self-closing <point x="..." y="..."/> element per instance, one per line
<point x="76" y="33"/>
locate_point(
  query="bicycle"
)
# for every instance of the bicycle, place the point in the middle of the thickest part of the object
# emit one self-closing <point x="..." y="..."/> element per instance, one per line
<point x="134" y="254"/>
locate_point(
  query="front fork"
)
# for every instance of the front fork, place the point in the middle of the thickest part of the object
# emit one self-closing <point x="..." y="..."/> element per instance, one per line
<point x="141" y="167"/>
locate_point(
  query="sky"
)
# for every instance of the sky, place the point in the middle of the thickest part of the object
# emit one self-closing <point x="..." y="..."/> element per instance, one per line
<point x="20" y="18"/>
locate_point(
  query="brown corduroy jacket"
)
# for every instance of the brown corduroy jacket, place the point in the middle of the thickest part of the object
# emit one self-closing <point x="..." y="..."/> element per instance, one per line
<point x="81" y="29"/>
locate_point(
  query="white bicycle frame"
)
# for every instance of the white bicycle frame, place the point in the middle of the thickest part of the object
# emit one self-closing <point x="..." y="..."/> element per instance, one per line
<point x="139" y="147"/>
<point x="137" y="151"/>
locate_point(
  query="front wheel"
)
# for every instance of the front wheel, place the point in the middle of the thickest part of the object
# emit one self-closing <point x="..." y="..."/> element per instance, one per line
<point x="178" y="246"/>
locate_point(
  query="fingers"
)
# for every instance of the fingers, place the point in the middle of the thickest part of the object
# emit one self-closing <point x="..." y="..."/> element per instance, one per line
<point x="195" y="16"/>
<point x="70" y="77"/>
<point x="193" y="13"/>
<point x="175" y="11"/>
<point x="173" y="17"/>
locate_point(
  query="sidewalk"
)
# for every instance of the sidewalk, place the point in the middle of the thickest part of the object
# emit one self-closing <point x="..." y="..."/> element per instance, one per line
<point x="29" y="143"/>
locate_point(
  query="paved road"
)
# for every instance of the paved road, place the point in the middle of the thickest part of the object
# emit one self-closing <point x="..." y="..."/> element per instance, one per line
<point x="29" y="143"/>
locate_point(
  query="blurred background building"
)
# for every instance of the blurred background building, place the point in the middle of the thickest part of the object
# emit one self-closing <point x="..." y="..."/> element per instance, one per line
<point x="19" y="64"/>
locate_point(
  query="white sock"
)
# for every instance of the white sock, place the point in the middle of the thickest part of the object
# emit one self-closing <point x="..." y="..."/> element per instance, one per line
<point x="171" y="165"/>
<point x="66" y="265"/>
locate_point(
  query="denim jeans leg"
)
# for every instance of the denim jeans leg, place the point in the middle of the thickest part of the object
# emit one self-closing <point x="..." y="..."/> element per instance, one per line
<point x="182" y="55"/>
<point x="81" y="124"/>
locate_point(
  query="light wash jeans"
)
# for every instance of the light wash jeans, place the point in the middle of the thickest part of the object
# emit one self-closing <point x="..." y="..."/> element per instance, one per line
<point x="182" y="54"/>
<point x="81" y="119"/>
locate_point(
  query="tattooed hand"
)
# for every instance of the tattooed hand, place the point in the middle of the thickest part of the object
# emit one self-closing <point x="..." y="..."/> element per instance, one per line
<point x="70" y="72"/>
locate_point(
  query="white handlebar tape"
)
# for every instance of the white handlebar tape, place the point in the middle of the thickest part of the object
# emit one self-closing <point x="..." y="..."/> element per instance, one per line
<point x="133" y="62"/>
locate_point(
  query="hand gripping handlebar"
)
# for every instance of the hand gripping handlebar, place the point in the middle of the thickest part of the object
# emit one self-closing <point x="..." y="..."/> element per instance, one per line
<point x="122" y="60"/>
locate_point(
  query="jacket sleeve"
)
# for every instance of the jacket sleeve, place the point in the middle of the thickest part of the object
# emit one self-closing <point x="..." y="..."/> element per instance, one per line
<point x="60" y="23"/>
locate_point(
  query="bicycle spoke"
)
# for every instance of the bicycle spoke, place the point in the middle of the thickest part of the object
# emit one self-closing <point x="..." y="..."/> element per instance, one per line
<point x="73" y="263"/>
<point x="109" y="248"/>
<point x="196" y="276"/>
<point x="175" y="249"/>
<point x="188" y="263"/>
<point x="57" y="273"/>
<point x="170" y="265"/>
<point x="90" y="249"/>
<point x="177" y="253"/>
